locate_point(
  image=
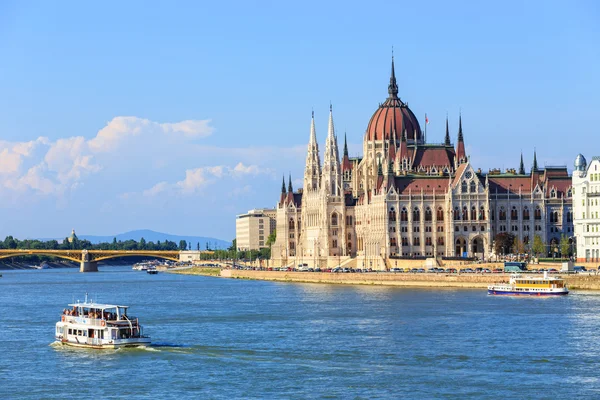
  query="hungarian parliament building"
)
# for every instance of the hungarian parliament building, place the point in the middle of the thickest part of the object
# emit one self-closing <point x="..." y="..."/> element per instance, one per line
<point x="406" y="198"/>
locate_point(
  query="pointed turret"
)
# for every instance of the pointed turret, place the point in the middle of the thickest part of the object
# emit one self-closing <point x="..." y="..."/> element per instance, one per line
<point x="345" y="146"/>
<point x="283" y="193"/>
<point x="461" y="155"/>
<point x="521" y="166"/>
<point x="312" y="173"/>
<point x="447" y="138"/>
<point x="290" y="193"/>
<point x="535" y="164"/>
<point x="393" y="86"/>
<point x="331" y="175"/>
<point x="379" y="169"/>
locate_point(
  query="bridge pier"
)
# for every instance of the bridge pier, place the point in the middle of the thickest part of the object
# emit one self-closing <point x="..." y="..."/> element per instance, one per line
<point x="88" y="266"/>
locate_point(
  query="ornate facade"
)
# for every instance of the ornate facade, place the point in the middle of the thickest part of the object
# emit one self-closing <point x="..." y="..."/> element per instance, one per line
<point x="409" y="198"/>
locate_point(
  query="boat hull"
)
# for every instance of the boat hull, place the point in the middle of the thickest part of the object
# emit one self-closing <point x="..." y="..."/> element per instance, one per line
<point x="537" y="294"/>
<point x="129" y="343"/>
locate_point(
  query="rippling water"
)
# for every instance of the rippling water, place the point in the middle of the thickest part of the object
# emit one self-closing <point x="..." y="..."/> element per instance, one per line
<point x="220" y="338"/>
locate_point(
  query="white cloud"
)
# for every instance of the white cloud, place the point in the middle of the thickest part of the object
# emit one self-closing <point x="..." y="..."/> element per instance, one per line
<point x="50" y="167"/>
<point x="121" y="129"/>
<point x="190" y="128"/>
<point x="198" y="178"/>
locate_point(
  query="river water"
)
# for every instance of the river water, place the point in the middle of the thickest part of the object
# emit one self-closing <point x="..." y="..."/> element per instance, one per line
<point x="222" y="339"/>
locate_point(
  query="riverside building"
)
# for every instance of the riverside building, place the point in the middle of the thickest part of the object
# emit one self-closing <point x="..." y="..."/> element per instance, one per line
<point x="586" y="205"/>
<point x="253" y="228"/>
<point x="406" y="198"/>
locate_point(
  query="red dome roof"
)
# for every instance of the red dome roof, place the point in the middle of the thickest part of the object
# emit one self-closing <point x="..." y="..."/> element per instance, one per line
<point x="394" y="116"/>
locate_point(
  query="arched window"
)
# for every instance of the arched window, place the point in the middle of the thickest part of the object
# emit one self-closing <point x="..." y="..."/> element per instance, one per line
<point x="526" y="214"/>
<point x="538" y="213"/>
<point x="291" y="224"/>
<point x="428" y="215"/>
<point x="440" y="214"/>
<point x="513" y="214"/>
<point x="456" y="214"/>
<point x="502" y="214"/>
<point x="482" y="213"/>
<point x="392" y="215"/>
<point x="404" y="214"/>
<point x="334" y="219"/>
<point x="416" y="214"/>
<point x="473" y="213"/>
<point x="555" y="216"/>
<point x="472" y="187"/>
<point x="463" y="187"/>
<point x="465" y="214"/>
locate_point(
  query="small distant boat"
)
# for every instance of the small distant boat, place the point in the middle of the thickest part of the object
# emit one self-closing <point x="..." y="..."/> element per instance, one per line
<point x="43" y="265"/>
<point x="152" y="271"/>
<point x="99" y="326"/>
<point x="521" y="285"/>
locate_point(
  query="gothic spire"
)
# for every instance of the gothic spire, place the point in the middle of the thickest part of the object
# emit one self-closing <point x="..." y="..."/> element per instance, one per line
<point x="461" y="155"/>
<point x="535" y="164"/>
<point x="290" y="189"/>
<point x="393" y="86"/>
<point x="447" y="139"/>
<point x="283" y="185"/>
<point x="521" y="166"/>
<point x="312" y="172"/>
<point x="379" y="169"/>
<point x="345" y="146"/>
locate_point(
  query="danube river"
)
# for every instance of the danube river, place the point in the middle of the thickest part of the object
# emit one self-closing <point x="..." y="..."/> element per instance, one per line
<point x="226" y="338"/>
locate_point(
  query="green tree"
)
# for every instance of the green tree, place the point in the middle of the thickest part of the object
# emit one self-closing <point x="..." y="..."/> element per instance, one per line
<point x="10" y="243"/>
<point x="233" y="245"/>
<point x="271" y="238"/>
<point x="564" y="246"/>
<point x="142" y="244"/>
<point x="503" y="243"/>
<point x="538" y="245"/>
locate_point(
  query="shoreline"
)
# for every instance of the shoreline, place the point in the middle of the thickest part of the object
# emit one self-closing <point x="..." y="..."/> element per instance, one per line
<point x="426" y="280"/>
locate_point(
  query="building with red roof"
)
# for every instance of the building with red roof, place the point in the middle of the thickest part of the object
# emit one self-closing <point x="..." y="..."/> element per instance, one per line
<point x="406" y="198"/>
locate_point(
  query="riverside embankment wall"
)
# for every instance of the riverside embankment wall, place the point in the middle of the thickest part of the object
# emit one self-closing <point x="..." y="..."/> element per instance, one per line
<point x="583" y="281"/>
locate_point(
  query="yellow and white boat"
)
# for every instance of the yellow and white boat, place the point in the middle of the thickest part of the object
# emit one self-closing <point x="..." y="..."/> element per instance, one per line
<point x="521" y="285"/>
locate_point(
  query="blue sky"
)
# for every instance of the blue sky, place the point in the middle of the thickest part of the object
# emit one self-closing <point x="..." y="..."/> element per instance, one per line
<point x="177" y="116"/>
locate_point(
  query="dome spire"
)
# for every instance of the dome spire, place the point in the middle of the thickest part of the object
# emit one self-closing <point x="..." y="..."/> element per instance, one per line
<point x="393" y="86"/>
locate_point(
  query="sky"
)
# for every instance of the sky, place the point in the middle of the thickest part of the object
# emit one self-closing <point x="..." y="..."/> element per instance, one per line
<point x="176" y="116"/>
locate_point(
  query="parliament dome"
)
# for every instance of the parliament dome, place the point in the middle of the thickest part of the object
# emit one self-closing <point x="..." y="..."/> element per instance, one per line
<point x="393" y="118"/>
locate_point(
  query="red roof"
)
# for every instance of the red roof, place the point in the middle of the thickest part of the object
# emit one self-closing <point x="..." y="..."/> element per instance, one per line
<point x="391" y="117"/>
<point x="404" y="184"/>
<point x="428" y="156"/>
<point x="512" y="184"/>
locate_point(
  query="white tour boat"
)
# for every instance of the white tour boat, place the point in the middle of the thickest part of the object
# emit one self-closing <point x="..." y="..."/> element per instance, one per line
<point x="99" y="326"/>
<point x="521" y="285"/>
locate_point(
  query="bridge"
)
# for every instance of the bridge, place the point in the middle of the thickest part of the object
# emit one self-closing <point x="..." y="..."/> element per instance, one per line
<point x="89" y="259"/>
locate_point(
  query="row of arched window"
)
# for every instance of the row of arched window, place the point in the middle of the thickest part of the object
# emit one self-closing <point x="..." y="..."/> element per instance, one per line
<point x="472" y="187"/>
<point x="473" y="216"/>
<point x="417" y="241"/>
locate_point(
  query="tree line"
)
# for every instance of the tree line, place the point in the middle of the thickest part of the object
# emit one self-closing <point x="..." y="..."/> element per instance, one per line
<point x="507" y="243"/>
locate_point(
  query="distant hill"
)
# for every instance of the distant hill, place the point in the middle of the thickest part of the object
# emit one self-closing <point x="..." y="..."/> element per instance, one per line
<point x="152" y="236"/>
